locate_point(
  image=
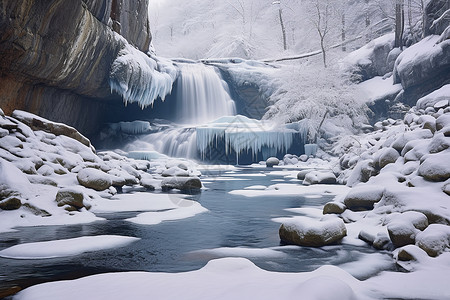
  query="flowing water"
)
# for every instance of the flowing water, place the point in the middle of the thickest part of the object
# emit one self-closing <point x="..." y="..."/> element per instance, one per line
<point x="175" y="246"/>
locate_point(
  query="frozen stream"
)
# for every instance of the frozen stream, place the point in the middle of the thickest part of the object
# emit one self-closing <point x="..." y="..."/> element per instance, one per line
<point x="174" y="246"/>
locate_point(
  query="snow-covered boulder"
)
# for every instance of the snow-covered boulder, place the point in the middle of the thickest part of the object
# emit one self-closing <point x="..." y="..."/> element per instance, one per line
<point x="149" y="182"/>
<point x="13" y="183"/>
<point x="319" y="177"/>
<point x="443" y="121"/>
<point x="71" y="199"/>
<point x="94" y="179"/>
<point x="363" y="197"/>
<point x="334" y="207"/>
<point x="435" y="239"/>
<point x="387" y="156"/>
<point x="427" y="61"/>
<point x="301" y="175"/>
<point x="372" y="59"/>
<point x="304" y="231"/>
<point x="175" y="171"/>
<point x="39" y="123"/>
<point x="181" y="183"/>
<point x="272" y="161"/>
<point x="439" y="95"/>
<point x="436" y="167"/>
<point x="10" y="203"/>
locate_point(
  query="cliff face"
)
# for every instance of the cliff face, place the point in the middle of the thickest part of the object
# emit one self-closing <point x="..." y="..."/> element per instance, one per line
<point x="57" y="55"/>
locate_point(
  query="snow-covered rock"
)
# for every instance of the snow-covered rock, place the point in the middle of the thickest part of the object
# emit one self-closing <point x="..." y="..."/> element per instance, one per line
<point x="308" y="232"/>
<point x="435" y="239"/>
<point x="175" y="171"/>
<point x="334" y="208"/>
<point x="319" y="177"/>
<point x="363" y="197"/>
<point x="71" y="198"/>
<point x="272" y="161"/>
<point x="94" y="179"/>
<point x="436" y="167"/>
<point x="181" y="183"/>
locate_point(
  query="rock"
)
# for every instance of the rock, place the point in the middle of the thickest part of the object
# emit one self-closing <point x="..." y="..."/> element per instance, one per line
<point x="94" y="179"/>
<point x="318" y="177"/>
<point x="272" y="161"/>
<point x="334" y="208"/>
<point x="363" y="197"/>
<point x="442" y="121"/>
<point x="121" y="177"/>
<point x="181" y="183"/>
<point x="70" y="196"/>
<point x="303" y="157"/>
<point x="434" y="240"/>
<point x="301" y="175"/>
<point x="3" y="132"/>
<point x="402" y="233"/>
<point x="11" y="203"/>
<point x="446" y="189"/>
<point x="2" y="114"/>
<point x="439" y="143"/>
<point x="428" y="122"/>
<point x="38" y="179"/>
<point x="388" y="156"/>
<point x="411" y="253"/>
<point x="382" y="241"/>
<point x="290" y="159"/>
<point x="149" y="182"/>
<point x="36" y="211"/>
<point x="436" y="167"/>
<point x="39" y="123"/>
<point x="45" y="170"/>
<point x="175" y="171"/>
<point x="308" y="232"/>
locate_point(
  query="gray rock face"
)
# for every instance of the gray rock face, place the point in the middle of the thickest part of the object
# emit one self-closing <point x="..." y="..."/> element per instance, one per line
<point x="56" y="56"/>
<point x="434" y="10"/>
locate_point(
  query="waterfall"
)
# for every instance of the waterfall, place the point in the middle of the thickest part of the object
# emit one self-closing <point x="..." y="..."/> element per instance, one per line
<point x="202" y="95"/>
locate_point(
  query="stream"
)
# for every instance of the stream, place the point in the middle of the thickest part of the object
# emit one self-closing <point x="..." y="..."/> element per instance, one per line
<point x="177" y="246"/>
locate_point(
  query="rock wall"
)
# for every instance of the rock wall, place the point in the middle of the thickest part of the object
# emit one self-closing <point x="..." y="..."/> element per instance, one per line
<point x="436" y="10"/>
<point x="57" y="55"/>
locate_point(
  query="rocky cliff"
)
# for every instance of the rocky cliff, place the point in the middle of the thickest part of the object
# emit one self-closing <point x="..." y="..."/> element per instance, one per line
<point x="56" y="55"/>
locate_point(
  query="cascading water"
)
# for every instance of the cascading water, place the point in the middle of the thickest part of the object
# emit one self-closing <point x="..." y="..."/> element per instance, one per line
<point x="202" y="95"/>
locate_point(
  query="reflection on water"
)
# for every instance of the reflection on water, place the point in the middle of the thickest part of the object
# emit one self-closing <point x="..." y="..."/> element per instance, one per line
<point x="232" y="221"/>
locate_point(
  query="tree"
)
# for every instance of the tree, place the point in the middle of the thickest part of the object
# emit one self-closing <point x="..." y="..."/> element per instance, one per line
<point x="320" y="20"/>
<point x="399" y="23"/>
<point x="283" y="29"/>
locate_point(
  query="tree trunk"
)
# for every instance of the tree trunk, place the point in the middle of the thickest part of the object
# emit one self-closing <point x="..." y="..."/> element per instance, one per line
<point x="399" y="24"/>
<point x="324" y="56"/>
<point x="283" y="30"/>
<point x="343" y="33"/>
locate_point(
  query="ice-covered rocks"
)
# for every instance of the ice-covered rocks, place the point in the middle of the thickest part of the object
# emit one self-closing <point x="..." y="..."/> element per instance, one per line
<point x="272" y="161"/>
<point x="94" y="179"/>
<point x="181" y="183"/>
<point x="304" y="231"/>
<point x="319" y="177"/>
<point x="363" y="197"/>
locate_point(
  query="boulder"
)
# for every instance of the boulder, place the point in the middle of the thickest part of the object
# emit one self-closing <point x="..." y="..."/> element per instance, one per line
<point x="94" y="179"/>
<point x="11" y="203"/>
<point x="387" y="156"/>
<point x="181" y="183"/>
<point x="70" y="196"/>
<point x="301" y="175"/>
<point x="319" y="177"/>
<point x="442" y="121"/>
<point x="272" y="161"/>
<point x="363" y="197"/>
<point x="304" y="231"/>
<point x="402" y="233"/>
<point x="334" y="208"/>
<point x="434" y="239"/>
<point x="436" y="167"/>
<point x="175" y="171"/>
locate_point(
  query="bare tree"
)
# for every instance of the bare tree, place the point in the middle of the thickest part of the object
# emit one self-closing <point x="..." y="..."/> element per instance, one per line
<point x="283" y="29"/>
<point x="399" y="23"/>
<point x="320" y="19"/>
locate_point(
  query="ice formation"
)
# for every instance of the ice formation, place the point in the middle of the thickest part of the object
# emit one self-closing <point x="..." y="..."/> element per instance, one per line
<point x="202" y="95"/>
<point x="135" y="127"/>
<point x="140" y="78"/>
<point x="243" y="134"/>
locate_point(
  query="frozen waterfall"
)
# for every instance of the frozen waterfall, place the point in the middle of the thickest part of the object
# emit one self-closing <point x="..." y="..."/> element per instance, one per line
<point x="202" y="95"/>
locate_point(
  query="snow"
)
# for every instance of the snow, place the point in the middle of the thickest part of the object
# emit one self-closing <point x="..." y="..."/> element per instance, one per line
<point x="378" y="88"/>
<point x="226" y="278"/>
<point x="66" y="247"/>
<point x="185" y="209"/>
<point x="435" y="97"/>
<point x="209" y="254"/>
<point x="286" y="189"/>
<point x="140" y="78"/>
